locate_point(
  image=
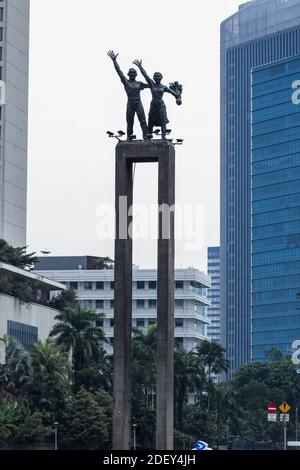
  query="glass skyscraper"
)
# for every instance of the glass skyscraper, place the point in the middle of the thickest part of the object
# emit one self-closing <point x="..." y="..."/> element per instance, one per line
<point x="260" y="33"/>
<point x="213" y="311"/>
<point x="14" y="72"/>
<point x="275" y="207"/>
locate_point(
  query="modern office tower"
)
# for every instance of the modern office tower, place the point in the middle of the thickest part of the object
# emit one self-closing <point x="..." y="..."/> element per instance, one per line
<point x="275" y="207"/>
<point x="261" y="32"/>
<point x="95" y="289"/>
<point x="213" y="312"/>
<point x="14" y="60"/>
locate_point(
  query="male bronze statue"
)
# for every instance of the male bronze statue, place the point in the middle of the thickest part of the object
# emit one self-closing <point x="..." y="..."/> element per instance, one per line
<point x="133" y="89"/>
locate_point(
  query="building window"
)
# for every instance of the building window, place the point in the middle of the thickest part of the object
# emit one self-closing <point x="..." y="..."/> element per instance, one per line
<point x="152" y="303"/>
<point x="99" y="303"/>
<point x="179" y="303"/>
<point x="112" y="304"/>
<point x="88" y="304"/>
<point x="140" y="323"/>
<point x="112" y="285"/>
<point x="112" y="323"/>
<point x="99" y="323"/>
<point x="179" y="285"/>
<point x="140" y="303"/>
<point x="152" y="322"/>
<point x="27" y="335"/>
<point x="1" y="34"/>
<point x="88" y="285"/>
<point x="152" y="285"/>
<point x="74" y="285"/>
<point x="140" y="285"/>
<point x="179" y="341"/>
<point x="111" y="340"/>
<point x="1" y="14"/>
<point x="99" y="285"/>
<point x="179" y="323"/>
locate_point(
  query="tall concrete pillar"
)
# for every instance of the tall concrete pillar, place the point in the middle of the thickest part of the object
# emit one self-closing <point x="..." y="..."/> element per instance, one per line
<point x="128" y="153"/>
<point x="123" y="304"/>
<point x="165" y="301"/>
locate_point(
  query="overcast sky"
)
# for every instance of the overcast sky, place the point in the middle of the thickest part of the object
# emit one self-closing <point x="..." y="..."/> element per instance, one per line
<point x="75" y="97"/>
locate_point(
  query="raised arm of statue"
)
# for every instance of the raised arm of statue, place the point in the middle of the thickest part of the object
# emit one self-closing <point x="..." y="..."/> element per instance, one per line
<point x="114" y="57"/>
<point x="175" y="89"/>
<point x="138" y="63"/>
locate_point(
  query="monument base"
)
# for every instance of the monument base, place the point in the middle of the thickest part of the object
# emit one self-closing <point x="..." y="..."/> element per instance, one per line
<point x="128" y="153"/>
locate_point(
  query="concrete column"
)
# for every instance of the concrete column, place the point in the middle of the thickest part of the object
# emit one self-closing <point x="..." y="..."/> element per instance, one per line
<point x="165" y="300"/>
<point x="123" y="304"/>
<point x="128" y="153"/>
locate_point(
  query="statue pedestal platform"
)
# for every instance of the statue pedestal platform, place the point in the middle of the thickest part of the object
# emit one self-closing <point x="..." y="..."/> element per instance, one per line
<point x="128" y="153"/>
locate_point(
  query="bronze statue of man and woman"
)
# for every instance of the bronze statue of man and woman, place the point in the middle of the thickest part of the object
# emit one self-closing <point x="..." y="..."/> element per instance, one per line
<point x="158" y="111"/>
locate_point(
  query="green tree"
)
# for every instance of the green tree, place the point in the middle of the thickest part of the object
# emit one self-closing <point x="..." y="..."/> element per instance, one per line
<point x="16" y="373"/>
<point x="212" y="356"/>
<point x="51" y="378"/>
<point x="85" y="423"/>
<point x="33" y="430"/>
<point x="274" y="355"/>
<point x="189" y="377"/>
<point x="144" y="384"/>
<point x="77" y="334"/>
<point x="16" y="256"/>
<point x="104" y="263"/>
<point x="19" y="425"/>
<point x="66" y="299"/>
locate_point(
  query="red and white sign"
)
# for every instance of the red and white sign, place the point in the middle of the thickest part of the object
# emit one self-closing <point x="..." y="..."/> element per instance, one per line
<point x="272" y="409"/>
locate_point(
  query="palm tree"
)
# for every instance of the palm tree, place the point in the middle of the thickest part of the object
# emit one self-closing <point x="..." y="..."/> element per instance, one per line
<point x="144" y="352"/>
<point x="229" y="414"/>
<point x="51" y="376"/>
<point x="212" y="355"/>
<point x="184" y="378"/>
<point x="77" y="334"/>
<point x="16" y="373"/>
<point x="51" y="362"/>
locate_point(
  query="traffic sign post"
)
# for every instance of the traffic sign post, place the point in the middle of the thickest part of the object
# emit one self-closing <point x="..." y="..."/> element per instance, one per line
<point x="272" y="409"/>
<point x="272" y="418"/>
<point x="285" y="418"/>
<point x="285" y="408"/>
<point x="272" y="413"/>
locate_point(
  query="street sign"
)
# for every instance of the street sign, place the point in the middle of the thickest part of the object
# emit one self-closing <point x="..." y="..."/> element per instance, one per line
<point x="272" y="418"/>
<point x="272" y="409"/>
<point x="285" y="407"/>
<point x="285" y="418"/>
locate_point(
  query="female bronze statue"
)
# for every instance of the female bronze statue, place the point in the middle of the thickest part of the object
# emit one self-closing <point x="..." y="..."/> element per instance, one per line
<point x="158" y="111"/>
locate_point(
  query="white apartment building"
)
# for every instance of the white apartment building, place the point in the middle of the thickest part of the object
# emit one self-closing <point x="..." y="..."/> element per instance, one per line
<point x="95" y="289"/>
<point x="28" y="322"/>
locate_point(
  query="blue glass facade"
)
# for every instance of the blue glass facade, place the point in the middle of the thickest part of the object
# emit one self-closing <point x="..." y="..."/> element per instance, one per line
<point x="213" y="312"/>
<point x="275" y="208"/>
<point x="27" y="335"/>
<point x="260" y="33"/>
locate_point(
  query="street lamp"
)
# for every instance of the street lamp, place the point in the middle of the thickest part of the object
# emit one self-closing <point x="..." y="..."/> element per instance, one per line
<point x="134" y="426"/>
<point x="55" y="424"/>
<point x="227" y="433"/>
